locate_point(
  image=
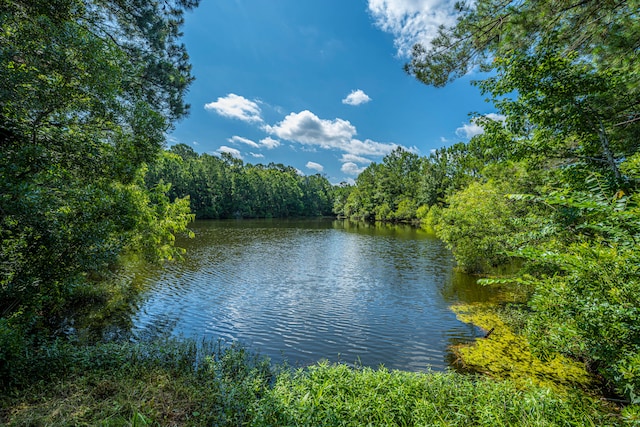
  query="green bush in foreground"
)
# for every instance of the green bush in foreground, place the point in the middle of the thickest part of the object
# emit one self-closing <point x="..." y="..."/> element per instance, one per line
<point x="181" y="383"/>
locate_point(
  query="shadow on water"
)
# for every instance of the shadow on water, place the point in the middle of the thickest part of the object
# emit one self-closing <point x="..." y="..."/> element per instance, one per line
<point x="304" y="290"/>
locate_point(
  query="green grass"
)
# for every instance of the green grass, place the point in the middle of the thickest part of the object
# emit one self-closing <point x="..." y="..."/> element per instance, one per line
<point x="181" y="383"/>
<point x="337" y="395"/>
<point x="167" y="383"/>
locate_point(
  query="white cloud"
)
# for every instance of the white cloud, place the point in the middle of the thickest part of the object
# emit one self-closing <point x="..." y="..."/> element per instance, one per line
<point x="308" y="129"/>
<point x="195" y="143"/>
<point x="236" y="107"/>
<point x="257" y="155"/>
<point x="269" y="142"/>
<point x="241" y="140"/>
<point x="315" y="166"/>
<point x="412" y="21"/>
<point x="356" y="97"/>
<point x="496" y="117"/>
<point x="370" y="148"/>
<point x="351" y="168"/>
<point x="471" y="129"/>
<point x="354" y="159"/>
<point x="224" y="149"/>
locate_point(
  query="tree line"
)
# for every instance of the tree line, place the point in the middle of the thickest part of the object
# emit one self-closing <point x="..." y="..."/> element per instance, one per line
<point x="226" y="187"/>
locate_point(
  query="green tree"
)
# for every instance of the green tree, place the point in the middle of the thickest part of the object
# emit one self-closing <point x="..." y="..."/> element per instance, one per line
<point x="566" y="76"/>
<point x="88" y="90"/>
<point x="380" y="188"/>
<point x="566" y="109"/>
<point x="478" y="225"/>
<point x="605" y="32"/>
<point x="340" y="196"/>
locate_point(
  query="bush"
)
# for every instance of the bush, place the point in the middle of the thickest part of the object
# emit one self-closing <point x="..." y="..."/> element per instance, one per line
<point x="477" y="226"/>
<point x="406" y="210"/>
<point x="591" y="311"/>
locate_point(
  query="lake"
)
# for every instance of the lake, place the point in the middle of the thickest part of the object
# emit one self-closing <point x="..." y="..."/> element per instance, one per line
<point x="305" y="290"/>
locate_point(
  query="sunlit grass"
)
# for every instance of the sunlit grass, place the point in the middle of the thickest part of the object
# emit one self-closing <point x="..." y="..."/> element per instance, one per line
<point x="327" y="394"/>
<point x="181" y="383"/>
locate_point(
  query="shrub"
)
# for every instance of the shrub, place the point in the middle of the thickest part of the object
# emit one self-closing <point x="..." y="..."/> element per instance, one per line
<point x="477" y="226"/>
<point x="591" y="311"/>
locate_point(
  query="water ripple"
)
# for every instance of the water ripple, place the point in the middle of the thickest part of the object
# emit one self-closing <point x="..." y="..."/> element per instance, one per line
<point x="303" y="291"/>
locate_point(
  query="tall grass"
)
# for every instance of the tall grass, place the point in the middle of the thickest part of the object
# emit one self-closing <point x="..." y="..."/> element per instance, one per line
<point x="184" y="383"/>
<point x="337" y="395"/>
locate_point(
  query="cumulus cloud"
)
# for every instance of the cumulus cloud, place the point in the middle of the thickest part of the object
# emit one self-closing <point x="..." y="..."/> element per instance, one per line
<point x="471" y="129"/>
<point x="241" y="140"/>
<point x="354" y="159"/>
<point x="224" y="149"/>
<point x="315" y="166"/>
<point x="236" y="107"/>
<point x="370" y="148"/>
<point x="356" y="97"/>
<point x="269" y="142"/>
<point x="351" y="168"/>
<point x="308" y="129"/>
<point x="412" y="21"/>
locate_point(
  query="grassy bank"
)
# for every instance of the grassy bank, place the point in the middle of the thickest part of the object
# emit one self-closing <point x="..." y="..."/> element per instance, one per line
<point x="181" y="383"/>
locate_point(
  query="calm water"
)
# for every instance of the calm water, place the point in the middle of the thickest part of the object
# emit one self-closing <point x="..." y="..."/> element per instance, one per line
<point x="305" y="290"/>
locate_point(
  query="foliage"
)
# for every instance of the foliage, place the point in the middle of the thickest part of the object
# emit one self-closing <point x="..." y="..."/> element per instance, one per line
<point x="89" y="89"/>
<point x="385" y="191"/>
<point x="477" y="226"/>
<point x="564" y="110"/>
<point x="326" y="394"/>
<point x="223" y="187"/>
<point x="590" y="312"/>
<point x="160" y="383"/>
<point x="605" y="32"/>
<point x="565" y="80"/>
<point x="184" y="383"/>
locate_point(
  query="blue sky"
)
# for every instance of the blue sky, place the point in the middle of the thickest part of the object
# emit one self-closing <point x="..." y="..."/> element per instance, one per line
<point x="318" y="84"/>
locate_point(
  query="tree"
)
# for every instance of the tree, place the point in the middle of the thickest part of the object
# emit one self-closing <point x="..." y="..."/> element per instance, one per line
<point x="605" y="32"/>
<point x="566" y="109"/>
<point x="89" y="89"/>
<point x="478" y="225"/>
<point x="566" y="76"/>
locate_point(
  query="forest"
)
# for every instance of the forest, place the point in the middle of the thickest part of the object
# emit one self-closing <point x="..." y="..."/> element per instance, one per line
<point x="225" y="187"/>
<point x="89" y="90"/>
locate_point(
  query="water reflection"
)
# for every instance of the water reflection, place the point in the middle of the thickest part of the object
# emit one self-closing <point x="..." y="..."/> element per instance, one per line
<point x="303" y="290"/>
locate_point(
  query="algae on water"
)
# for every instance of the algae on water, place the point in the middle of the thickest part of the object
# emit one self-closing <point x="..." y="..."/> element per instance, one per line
<point x="504" y="354"/>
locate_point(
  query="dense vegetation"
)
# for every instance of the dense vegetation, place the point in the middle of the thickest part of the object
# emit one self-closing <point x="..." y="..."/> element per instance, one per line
<point x="552" y="183"/>
<point x="183" y="383"/>
<point x="225" y="187"/>
<point x="89" y="89"/>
